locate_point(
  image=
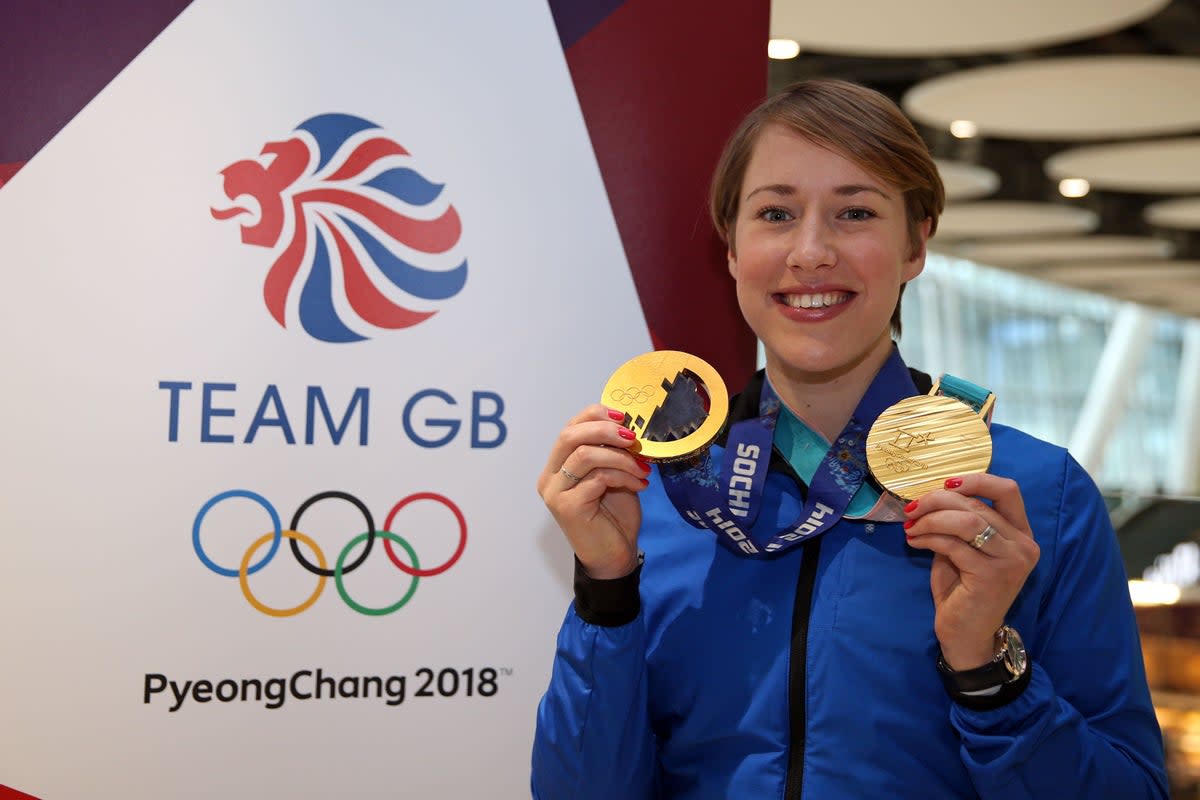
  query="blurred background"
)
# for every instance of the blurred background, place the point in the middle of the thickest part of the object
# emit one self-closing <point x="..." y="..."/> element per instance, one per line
<point x="1065" y="275"/>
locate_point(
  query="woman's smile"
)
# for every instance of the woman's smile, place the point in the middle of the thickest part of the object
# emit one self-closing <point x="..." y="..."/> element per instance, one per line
<point x="815" y="300"/>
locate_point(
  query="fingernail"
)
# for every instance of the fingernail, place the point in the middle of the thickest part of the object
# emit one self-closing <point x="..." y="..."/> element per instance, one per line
<point x="953" y="483"/>
<point x="645" y="482"/>
<point x="616" y="415"/>
<point x="911" y="507"/>
<point x="625" y="433"/>
<point x="908" y="523"/>
<point x="645" y="465"/>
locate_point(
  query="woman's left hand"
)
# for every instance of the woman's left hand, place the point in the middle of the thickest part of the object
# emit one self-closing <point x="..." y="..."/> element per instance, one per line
<point x="972" y="587"/>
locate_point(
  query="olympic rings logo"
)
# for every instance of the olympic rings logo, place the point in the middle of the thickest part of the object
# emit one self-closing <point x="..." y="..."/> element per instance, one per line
<point x="632" y="395"/>
<point x="321" y="569"/>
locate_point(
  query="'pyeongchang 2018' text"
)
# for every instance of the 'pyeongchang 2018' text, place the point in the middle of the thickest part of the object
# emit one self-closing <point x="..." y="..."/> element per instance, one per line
<point x="307" y="684"/>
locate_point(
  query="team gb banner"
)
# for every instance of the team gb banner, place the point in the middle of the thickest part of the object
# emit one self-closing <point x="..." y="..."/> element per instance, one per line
<point x="293" y="309"/>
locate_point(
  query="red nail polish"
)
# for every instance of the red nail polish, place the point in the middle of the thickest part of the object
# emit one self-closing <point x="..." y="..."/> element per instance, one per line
<point x="625" y="433"/>
<point x="645" y="465"/>
<point x="911" y="507"/>
<point x="645" y="482"/>
<point x="908" y="523"/>
<point x="616" y="415"/>
<point x="953" y="483"/>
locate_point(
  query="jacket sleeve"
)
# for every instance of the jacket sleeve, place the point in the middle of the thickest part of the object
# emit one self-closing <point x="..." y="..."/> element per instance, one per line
<point x="593" y="736"/>
<point x="1084" y="726"/>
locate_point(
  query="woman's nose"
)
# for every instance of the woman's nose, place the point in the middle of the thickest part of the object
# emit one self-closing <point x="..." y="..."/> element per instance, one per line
<point x="812" y="247"/>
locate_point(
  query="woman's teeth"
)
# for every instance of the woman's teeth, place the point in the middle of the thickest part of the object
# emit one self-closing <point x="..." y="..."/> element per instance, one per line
<point x="822" y="300"/>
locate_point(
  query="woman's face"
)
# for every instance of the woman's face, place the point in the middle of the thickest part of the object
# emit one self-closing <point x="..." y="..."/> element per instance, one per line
<point x="822" y="248"/>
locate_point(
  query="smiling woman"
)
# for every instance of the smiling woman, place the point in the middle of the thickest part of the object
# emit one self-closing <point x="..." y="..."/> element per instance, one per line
<point x="819" y="250"/>
<point x="825" y="225"/>
<point x="974" y="639"/>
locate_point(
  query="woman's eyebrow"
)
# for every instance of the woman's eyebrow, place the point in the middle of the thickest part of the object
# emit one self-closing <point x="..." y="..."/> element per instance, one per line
<point x="848" y="190"/>
<point x="855" y="188"/>
<point x="777" y="188"/>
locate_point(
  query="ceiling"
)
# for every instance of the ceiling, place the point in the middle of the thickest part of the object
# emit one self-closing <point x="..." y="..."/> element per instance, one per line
<point x="1104" y="90"/>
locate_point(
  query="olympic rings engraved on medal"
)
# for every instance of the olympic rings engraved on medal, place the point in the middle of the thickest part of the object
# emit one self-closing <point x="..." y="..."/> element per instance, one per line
<point x="322" y="569"/>
<point x="678" y="410"/>
<point x="631" y="395"/>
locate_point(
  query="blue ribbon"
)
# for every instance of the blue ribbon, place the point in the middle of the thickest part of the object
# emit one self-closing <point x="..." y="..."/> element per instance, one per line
<point x="729" y="502"/>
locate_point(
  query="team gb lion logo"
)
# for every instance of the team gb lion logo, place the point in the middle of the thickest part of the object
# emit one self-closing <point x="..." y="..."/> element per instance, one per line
<point x="361" y="242"/>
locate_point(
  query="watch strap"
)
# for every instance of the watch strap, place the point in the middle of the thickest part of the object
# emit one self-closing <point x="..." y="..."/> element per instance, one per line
<point x="990" y="675"/>
<point x="1008" y="692"/>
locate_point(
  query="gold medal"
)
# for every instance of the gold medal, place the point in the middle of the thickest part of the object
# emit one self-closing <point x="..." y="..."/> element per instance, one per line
<point x="919" y="442"/>
<point x="674" y="402"/>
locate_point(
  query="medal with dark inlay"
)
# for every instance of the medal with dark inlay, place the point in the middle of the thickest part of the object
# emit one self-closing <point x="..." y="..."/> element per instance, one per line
<point x="674" y="402"/>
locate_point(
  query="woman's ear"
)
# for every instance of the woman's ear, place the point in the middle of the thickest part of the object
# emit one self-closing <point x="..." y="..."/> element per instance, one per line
<point x="915" y="263"/>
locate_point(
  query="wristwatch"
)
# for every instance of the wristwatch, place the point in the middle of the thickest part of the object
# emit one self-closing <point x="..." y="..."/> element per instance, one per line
<point x="1009" y="665"/>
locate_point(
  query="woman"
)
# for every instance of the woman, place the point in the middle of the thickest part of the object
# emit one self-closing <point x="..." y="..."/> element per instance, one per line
<point x="881" y="655"/>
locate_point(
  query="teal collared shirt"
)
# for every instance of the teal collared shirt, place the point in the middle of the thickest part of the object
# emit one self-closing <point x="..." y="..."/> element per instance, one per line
<point x="804" y="449"/>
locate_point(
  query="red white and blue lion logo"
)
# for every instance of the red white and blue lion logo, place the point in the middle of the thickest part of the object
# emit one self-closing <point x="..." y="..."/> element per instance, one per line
<point x="362" y="241"/>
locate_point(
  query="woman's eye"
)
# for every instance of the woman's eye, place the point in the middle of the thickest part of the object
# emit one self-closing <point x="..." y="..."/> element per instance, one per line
<point x="858" y="213"/>
<point x="775" y="215"/>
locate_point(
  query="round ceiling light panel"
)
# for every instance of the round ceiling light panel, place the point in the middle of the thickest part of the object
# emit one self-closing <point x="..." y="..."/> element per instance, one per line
<point x="1081" y="98"/>
<point x="1181" y="212"/>
<point x="1170" y="285"/>
<point x="1089" y="274"/>
<point x="1164" y="166"/>
<point x="965" y="181"/>
<point x="1003" y="218"/>
<point x="904" y="29"/>
<point x="1036" y="252"/>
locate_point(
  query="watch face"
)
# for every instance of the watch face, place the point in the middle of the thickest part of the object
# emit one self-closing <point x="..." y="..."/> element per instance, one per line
<point x="1015" y="659"/>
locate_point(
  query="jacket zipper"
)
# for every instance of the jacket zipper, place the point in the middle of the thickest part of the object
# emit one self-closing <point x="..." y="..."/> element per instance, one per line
<point x="797" y="669"/>
<point x="806" y="582"/>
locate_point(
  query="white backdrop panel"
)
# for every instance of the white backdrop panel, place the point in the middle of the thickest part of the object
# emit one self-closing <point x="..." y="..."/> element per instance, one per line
<point x="117" y="279"/>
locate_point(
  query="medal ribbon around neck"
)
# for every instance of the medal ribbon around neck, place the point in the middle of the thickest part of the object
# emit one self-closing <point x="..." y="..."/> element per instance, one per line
<point x="729" y="504"/>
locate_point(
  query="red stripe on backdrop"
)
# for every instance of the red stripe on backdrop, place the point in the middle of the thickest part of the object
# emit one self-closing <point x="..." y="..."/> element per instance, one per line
<point x="12" y="794"/>
<point x="8" y="170"/>
<point x="662" y="85"/>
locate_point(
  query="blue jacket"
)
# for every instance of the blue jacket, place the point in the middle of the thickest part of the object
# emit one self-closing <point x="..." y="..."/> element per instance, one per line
<point x="812" y="674"/>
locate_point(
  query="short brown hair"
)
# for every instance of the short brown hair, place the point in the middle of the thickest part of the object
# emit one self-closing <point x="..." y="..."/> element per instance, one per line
<point x="859" y="123"/>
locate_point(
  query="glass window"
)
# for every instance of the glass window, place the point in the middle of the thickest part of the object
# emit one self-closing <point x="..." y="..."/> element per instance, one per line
<point x="1037" y="346"/>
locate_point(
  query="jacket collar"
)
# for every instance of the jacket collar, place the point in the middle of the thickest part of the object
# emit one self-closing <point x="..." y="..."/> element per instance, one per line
<point x="744" y="405"/>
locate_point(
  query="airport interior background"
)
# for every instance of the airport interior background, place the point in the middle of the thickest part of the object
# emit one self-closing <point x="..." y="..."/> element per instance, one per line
<point x="1065" y="274"/>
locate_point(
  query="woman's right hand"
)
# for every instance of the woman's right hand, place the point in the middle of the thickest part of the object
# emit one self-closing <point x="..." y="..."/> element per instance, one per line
<point x="590" y="485"/>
